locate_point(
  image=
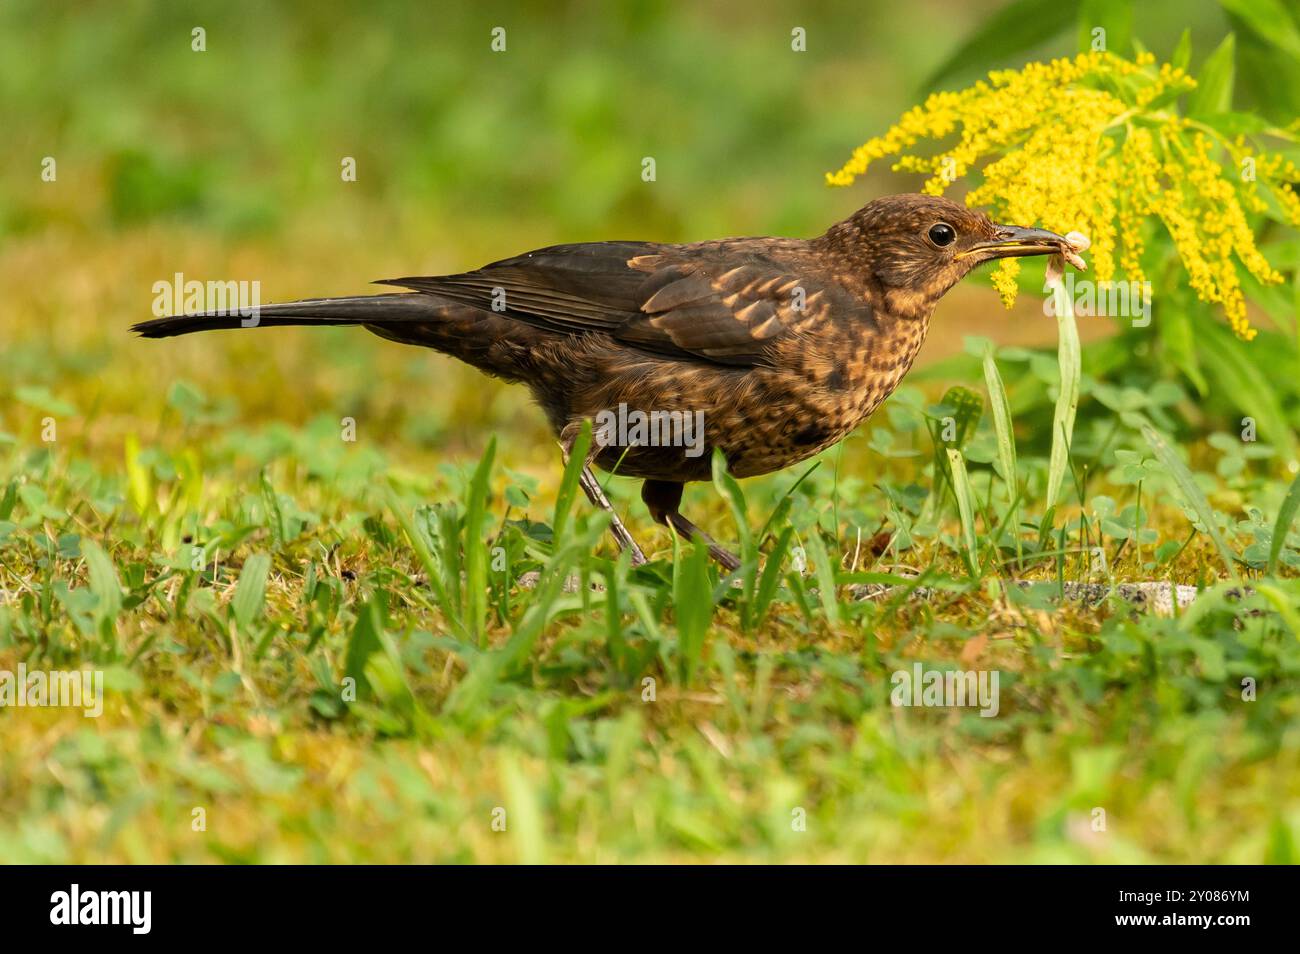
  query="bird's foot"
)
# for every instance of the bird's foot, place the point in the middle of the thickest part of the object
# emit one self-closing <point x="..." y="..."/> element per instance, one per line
<point x="596" y="494"/>
<point x="688" y="531"/>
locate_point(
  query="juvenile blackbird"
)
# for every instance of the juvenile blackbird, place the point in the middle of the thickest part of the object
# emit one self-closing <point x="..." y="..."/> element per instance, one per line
<point x="784" y="345"/>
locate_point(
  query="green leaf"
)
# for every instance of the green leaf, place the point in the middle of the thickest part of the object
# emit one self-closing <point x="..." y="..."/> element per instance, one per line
<point x="139" y="480"/>
<point x="250" y="590"/>
<point x="1175" y="328"/>
<point x="1285" y="516"/>
<point x="559" y="569"/>
<point x="1002" y="422"/>
<point x="450" y="552"/>
<point x="274" y="515"/>
<point x="364" y="640"/>
<point x="826" y="588"/>
<point x="1069" y="366"/>
<point x="1017" y="27"/>
<point x="1006" y="437"/>
<point x="1113" y="16"/>
<point x="771" y="578"/>
<point x="432" y="570"/>
<point x="1239" y="367"/>
<point x="569" y="483"/>
<point x="387" y="679"/>
<point x="1213" y="93"/>
<point x="1187" y="486"/>
<point x="468" y="700"/>
<point x="9" y="500"/>
<point x="1284" y="604"/>
<point x="735" y="498"/>
<point x="476" y="555"/>
<point x="43" y="400"/>
<point x="1182" y="56"/>
<point x="104" y="583"/>
<point x="1268" y="20"/>
<point x="965" y="508"/>
<point x="693" y="604"/>
<point x="967" y="409"/>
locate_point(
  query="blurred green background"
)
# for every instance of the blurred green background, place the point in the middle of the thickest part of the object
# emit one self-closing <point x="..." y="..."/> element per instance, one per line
<point x="481" y="149"/>
<point x="225" y="164"/>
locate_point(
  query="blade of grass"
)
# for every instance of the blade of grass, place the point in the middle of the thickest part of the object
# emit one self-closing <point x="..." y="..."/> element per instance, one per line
<point x="1002" y="428"/>
<point x="250" y="590"/>
<point x="965" y="508"/>
<point x="106" y="586"/>
<point x="476" y="554"/>
<point x="615" y="574"/>
<point x="569" y="484"/>
<point x="1285" y="605"/>
<point x="431" y="568"/>
<point x="826" y="586"/>
<point x="527" y="828"/>
<point x="771" y="578"/>
<point x="274" y="515"/>
<point x="1067" y="400"/>
<point x="1176" y="469"/>
<point x="693" y="603"/>
<point x="363" y="641"/>
<point x="735" y="498"/>
<point x="783" y="507"/>
<point x="471" y="695"/>
<point x="449" y="550"/>
<point x="10" y="498"/>
<point x="1285" y="516"/>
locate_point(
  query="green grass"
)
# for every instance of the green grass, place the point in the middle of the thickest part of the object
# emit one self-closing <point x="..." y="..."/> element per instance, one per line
<point x="661" y="716"/>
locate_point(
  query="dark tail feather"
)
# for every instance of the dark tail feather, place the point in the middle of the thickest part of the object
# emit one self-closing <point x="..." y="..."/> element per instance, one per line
<point x="361" y="310"/>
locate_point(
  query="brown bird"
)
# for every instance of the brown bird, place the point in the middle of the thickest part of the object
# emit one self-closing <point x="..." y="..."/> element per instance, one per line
<point x="778" y="347"/>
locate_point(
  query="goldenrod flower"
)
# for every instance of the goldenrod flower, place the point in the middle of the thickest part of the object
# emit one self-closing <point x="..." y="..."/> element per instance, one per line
<point x="1093" y="144"/>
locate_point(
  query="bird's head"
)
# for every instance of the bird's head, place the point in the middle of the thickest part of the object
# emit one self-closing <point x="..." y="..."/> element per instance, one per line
<point x="912" y="248"/>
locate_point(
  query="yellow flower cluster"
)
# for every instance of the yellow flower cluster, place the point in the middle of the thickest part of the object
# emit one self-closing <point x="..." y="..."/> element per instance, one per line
<point x="1092" y="144"/>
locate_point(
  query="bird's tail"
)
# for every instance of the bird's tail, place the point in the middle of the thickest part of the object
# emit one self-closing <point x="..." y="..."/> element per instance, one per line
<point x="360" y="310"/>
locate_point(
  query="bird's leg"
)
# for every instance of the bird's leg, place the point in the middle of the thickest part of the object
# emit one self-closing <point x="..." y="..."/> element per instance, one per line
<point x="663" y="497"/>
<point x="596" y="494"/>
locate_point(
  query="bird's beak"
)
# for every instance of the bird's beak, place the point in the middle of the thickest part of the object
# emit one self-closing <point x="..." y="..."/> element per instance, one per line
<point x="1012" y="241"/>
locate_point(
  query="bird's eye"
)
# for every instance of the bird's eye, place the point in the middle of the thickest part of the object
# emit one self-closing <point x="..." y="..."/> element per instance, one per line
<point x="942" y="234"/>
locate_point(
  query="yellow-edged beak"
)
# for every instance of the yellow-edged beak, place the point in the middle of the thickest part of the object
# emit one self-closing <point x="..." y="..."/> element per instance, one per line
<point x="1014" y="241"/>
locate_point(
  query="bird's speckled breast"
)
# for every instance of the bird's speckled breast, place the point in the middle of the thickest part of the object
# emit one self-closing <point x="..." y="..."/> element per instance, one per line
<point x="764" y="419"/>
<point x="838" y="387"/>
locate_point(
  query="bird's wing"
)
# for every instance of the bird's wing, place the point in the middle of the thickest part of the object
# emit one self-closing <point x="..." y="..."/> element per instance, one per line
<point x="724" y="302"/>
